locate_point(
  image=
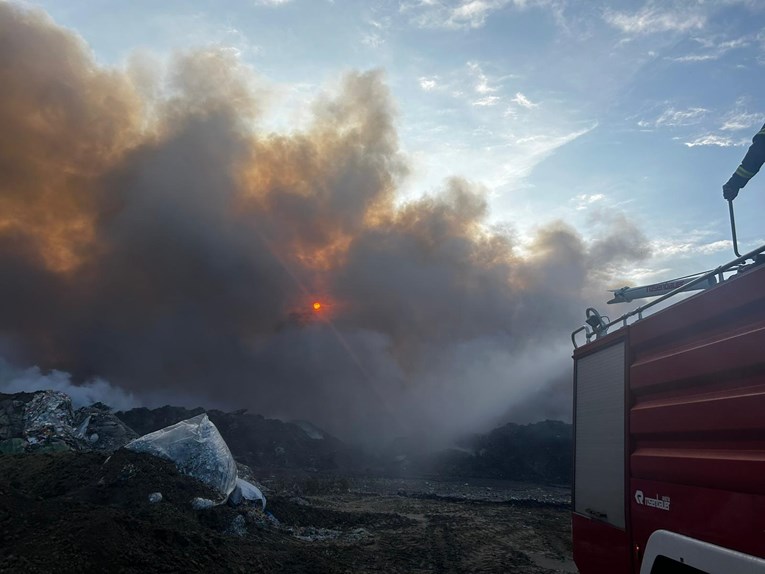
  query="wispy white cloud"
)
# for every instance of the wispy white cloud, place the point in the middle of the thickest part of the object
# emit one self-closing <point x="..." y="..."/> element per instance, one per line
<point x="487" y="101"/>
<point x="471" y="14"/>
<point x="740" y="119"/>
<point x="372" y="39"/>
<point x="272" y="2"/>
<point x="482" y="83"/>
<point x="654" y="18"/>
<point x="450" y="14"/>
<point x="686" y="117"/>
<point x="585" y="200"/>
<point x="428" y="83"/>
<point x="715" y="140"/>
<point x="737" y="119"/>
<point x="376" y="32"/>
<point x="712" y="49"/>
<point x="483" y="86"/>
<point x="379" y="23"/>
<point x="672" y="117"/>
<point x="694" y="58"/>
<point x="529" y="151"/>
<point x="643" y="275"/>
<point x="523" y="101"/>
<point x="688" y="247"/>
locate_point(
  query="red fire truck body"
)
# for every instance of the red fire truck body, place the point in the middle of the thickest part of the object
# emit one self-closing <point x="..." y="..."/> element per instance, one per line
<point x="669" y="427"/>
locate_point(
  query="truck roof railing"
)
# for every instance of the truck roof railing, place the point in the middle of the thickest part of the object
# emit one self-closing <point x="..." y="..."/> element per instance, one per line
<point x="598" y="326"/>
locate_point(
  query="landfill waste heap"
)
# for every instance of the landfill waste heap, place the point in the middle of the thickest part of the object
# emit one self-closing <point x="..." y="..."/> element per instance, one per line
<point x="81" y="491"/>
<point x="44" y="422"/>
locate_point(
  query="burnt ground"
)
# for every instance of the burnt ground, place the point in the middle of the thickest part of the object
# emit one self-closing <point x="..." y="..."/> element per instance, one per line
<point x="81" y="512"/>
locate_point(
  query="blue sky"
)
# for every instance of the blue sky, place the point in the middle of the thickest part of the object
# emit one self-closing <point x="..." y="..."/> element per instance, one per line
<point x="579" y="111"/>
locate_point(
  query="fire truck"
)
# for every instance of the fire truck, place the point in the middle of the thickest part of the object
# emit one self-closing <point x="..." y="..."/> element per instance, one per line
<point x="669" y="428"/>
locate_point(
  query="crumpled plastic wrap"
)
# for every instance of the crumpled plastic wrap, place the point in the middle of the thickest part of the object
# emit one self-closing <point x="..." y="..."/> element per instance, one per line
<point x="196" y="448"/>
<point x="246" y="491"/>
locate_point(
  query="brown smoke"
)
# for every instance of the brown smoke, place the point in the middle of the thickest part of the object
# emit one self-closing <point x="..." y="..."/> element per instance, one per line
<point x="156" y="236"/>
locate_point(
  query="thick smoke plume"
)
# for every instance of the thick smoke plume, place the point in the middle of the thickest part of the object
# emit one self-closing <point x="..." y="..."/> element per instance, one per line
<point x="152" y="233"/>
<point x="14" y="380"/>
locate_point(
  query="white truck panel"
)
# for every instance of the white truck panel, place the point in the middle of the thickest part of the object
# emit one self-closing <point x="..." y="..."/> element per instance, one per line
<point x="599" y="457"/>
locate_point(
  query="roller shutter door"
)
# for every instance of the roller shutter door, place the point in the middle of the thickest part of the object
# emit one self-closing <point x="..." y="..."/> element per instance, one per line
<point x="599" y="454"/>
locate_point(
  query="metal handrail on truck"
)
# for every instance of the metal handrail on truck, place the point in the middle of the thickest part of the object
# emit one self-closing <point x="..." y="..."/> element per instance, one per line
<point x="600" y="327"/>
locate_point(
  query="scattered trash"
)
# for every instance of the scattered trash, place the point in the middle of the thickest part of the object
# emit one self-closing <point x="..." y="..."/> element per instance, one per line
<point x="263" y="520"/>
<point x="196" y="448"/>
<point x="313" y="534"/>
<point x="359" y="535"/>
<point x="127" y="472"/>
<point x="83" y="427"/>
<point x="235" y="498"/>
<point x="48" y="420"/>
<point x="201" y="503"/>
<point x="101" y="429"/>
<point x="245" y="473"/>
<point x="246" y="491"/>
<point x="300" y="501"/>
<point x="155" y="497"/>
<point x="45" y="421"/>
<point x="238" y="526"/>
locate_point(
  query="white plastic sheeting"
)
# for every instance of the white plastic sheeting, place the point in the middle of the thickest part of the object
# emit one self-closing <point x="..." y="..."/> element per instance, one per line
<point x="246" y="491"/>
<point x="196" y="448"/>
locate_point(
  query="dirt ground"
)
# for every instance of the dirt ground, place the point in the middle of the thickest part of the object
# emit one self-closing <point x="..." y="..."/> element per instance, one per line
<point x="69" y="512"/>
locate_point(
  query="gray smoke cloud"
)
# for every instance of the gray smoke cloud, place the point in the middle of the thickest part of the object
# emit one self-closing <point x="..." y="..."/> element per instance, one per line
<point x="15" y="380"/>
<point x="152" y="233"/>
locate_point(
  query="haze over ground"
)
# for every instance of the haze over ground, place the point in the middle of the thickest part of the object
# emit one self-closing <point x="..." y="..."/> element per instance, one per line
<point x="171" y="214"/>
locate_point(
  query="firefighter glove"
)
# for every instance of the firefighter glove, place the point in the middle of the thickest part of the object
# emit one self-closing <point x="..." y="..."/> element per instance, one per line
<point x="730" y="190"/>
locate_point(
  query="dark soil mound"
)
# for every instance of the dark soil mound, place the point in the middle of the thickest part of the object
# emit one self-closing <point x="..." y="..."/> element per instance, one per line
<point x="75" y="512"/>
<point x="84" y="512"/>
<point x="294" y="513"/>
<point x="538" y="452"/>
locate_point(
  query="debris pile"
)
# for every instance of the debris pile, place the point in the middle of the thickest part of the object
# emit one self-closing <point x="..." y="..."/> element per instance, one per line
<point x="102" y="429"/>
<point x="48" y="420"/>
<point x="45" y="421"/>
<point x="538" y="452"/>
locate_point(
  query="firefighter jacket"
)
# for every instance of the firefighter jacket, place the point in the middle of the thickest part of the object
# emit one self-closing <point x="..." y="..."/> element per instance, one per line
<point x="751" y="163"/>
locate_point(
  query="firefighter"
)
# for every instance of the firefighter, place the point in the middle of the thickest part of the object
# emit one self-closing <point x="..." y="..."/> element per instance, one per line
<point x="750" y="165"/>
